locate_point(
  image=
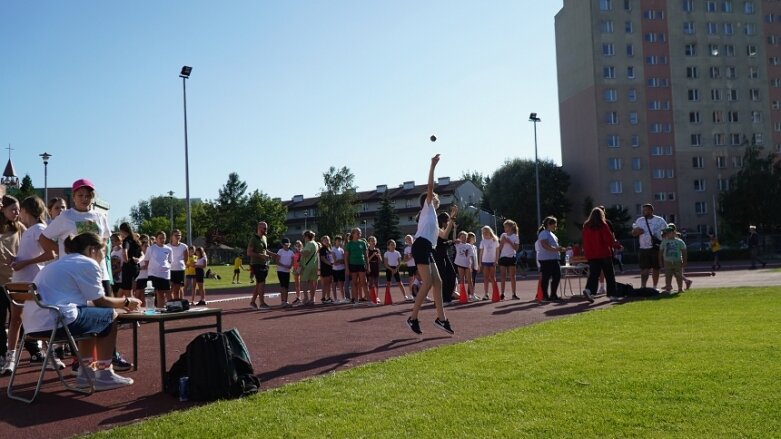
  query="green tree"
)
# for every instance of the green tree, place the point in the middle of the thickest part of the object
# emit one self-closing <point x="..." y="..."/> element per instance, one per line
<point x="482" y="182"/>
<point x="386" y="223"/>
<point x="154" y="225"/>
<point x="160" y="206"/>
<point x="751" y="198"/>
<point x="336" y="208"/>
<point x="468" y="221"/>
<point x="511" y="192"/>
<point x="619" y="218"/>
<point x="26" y="189"/>
<point x="260" y="207"/>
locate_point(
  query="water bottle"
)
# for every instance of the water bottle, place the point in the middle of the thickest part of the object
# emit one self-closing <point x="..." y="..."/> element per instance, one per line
<point x="184" y="383"/>
<point x="566" y="260"/>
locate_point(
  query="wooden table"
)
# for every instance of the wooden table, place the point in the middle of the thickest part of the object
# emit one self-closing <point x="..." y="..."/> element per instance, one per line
<point x="161" y="319"/>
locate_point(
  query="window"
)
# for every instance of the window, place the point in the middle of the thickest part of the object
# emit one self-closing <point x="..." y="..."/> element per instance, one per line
<point x="753" y="94"/>
<point x="690" y="49"/>
<point x="609" y="72"/>
<point x="655" y="128"/>
<point x="616" y="187"/>
<point x="691" y="72"/>
<point x="635" y="141"/>
<point x="660" y="196"/>
<point x="773" y="40"/>
<point x="605" y="5"/>
<point x="713" y="28"/>
<point x="633" y="119"/>
<point x="737" y="162"/>
<point x="756" y="117"/>
<point x="606" y="26"/>
<point x="710" y="6"/>
<point x="757" y="139"/>
<point x="627" y="5"/>
<point x="734" y="139"/>
<point x="638" y="186"/>
<point x="614" y="163"/>
<point x="719" y="139"/>
<point x="773" y="61"/>
<point x="753" y="72"/>
<point x="732" y="116"/>
<point x="631" y="95"/>
<point x="651" y="37"/>
<point x="695" y="139"/>
<point x="777" y="127"/>
<point x="699" y="185"/>
<point x="700" y="208"/>
<point x="658" y="173"/>
<point x="729" y="50"/>
<point x="715" y="73"/>
<point x="628" y="27"/>
<point x="748" y="7"/>
<point x="776" y="105"/>
<point x="630" y="50"/>
<point x="688" y="5"/>
<point x="637" y="163"/>
<point x="775" y="82"/>
<point x="693" y="94"/>
<point x="715" y="94"/>
<point x="721" y="162"/>
<point x="651" y="14"/>
<point x="611" y="117"/>
<point x="610" y="95"/>
<point x="728" y="29"/>
<point x="726" y="6"/>
<point x="713" y="49"/>
<point x="608" y="49"/>
<point x="655" y="59"/>
<point x="718" y="116"/>
<point x="661" y="150"/>
<point x="751" y="50"/>
<point x="630" y="72"/>
<point x="732" y="94"/>
<point x="688" y="27"/>
<point x="613" y="141"/>
<point x="723" y="184"/>
<point x="698" y="162"/>
<point x="730" y="72"/>
<point x="694" y="117"/>
<point x="750" y="29"/>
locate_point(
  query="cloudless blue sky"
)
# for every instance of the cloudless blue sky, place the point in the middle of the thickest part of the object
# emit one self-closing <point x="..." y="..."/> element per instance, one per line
<point x="279" y="91"/>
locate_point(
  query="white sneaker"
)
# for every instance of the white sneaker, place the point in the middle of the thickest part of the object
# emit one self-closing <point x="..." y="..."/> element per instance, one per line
<point x="9" y="362"/>
<point x="58" y="364"/>
<point x="106" y="379"/>
<point x="601" y="290"/>
<point x="587" y="293"/>
<point x="85" y="377"/>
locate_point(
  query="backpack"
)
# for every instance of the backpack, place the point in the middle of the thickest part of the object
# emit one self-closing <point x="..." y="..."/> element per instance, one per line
<point x="214" y="371"/>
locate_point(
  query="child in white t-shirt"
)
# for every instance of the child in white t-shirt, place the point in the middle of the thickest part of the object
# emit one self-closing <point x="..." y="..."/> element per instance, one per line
<point x="508" y="246"/>
<point x="392" y="261"/>
<point x="472" y="239"/>
<point x="489" y="247"/>
<point x="117" y="259"/>
<point x="412" y="273"/>
<point x="463" y="262"/>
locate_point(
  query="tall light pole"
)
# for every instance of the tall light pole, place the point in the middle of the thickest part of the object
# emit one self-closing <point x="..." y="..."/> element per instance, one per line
<point x="184" y="74"/>
<point x="171" y="207"/>
<point x="534" y="119"/>
<point x="306" y="217"/>
<point x="45" y="156"/>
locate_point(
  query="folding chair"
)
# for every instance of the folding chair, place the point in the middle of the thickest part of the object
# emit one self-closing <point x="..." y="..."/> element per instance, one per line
<point x="21" y="292"/>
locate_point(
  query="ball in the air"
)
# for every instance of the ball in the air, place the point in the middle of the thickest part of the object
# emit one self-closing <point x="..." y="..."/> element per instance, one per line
<point x="433" y="138"/>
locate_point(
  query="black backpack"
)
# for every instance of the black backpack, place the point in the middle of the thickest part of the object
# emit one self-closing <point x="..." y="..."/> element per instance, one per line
<point x="218" y="366"/>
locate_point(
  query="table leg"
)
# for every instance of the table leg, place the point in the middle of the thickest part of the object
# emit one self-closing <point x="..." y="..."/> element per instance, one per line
<point x="219" y="322"/>
<point x="135" y="345"/>
<point x="161" y="331"/>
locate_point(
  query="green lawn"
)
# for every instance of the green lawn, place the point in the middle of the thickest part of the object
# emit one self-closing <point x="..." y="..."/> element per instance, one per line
<point x="226" y="272"/>
<point x="705" y="364"/>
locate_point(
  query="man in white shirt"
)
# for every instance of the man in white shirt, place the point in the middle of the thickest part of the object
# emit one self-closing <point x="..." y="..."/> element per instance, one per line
<point x="648" y="230"/>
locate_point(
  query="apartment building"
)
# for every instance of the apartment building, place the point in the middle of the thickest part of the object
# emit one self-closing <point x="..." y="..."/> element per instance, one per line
<point x="658" y="99"/>
<point x="302" y="212"/>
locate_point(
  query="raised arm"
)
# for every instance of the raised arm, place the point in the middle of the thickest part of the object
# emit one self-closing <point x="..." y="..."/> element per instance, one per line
<point x="430" y="188"/>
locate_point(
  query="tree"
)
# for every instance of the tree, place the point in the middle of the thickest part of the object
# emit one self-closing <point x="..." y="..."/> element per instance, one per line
<point x="482" y="182"/>
<point x="386" y="223"/>
<point x="619" y="217"/>
<point x="260" y="207"/>
<point x="26" y="189"/>
<point x="336" y="208"/>
<point x="751" y="198"/>
<point x="511" y="192"/>
<point x="231" y="220"/>
<point x="154" y="225"/>
<point x="468" y="221"/>
<point x="160" y="206"/>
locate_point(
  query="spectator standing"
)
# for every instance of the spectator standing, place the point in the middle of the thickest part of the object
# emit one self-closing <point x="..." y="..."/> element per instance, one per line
<point x="548" y="258"/>
<point x="284" y="265"/>
<point x="648" y="229"/>
<point x="753" y="247"/>
<point x="489" y="249"/>
<point x="257" y="250"/>
<point x="672" y="254"/>
<point x="598" y="245"/>
<point x="180" y="255"/>
<point x="508" y="246"/>
<point x="715" y="249"/>
<point x="337" y="252"/>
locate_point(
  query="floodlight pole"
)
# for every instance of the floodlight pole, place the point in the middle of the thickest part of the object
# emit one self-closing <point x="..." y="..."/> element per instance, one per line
<point x="534" y="119"/>
<point x="184" y="75"/>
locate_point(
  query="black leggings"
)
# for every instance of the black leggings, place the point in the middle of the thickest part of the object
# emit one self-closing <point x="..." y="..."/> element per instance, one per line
<point x="551" y="273"/>
<point x="596" y="266"/>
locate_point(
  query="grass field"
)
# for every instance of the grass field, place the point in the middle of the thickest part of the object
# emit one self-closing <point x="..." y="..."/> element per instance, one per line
<point x="226" y="273"/>
<point x="705" y="364"/>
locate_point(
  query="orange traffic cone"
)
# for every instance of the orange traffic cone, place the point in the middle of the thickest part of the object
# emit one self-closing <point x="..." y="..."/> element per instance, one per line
<point x="388" y="299"/>
<point x="540" y="294"/>
<point x="462" y="297"/>
<point x="373" y="295"/>
<point x="495" y="297"/>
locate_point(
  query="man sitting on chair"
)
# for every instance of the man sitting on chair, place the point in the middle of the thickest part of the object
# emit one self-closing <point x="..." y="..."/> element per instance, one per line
<point x="69" y="284"/>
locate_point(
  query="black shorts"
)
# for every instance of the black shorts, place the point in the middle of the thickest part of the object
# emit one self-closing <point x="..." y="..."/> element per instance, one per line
<point x="199" y="275"/>
<point x="129" y="273"/>
<point x="648" y="258"/>
<point x="160" y="284"/>
<point x="357" y="268"/>
<point x="374" y="271"/>
<point x="338" y="275"/>
<point x="141" y="283"/>
<point x="260" y="271"/>
<point x="284" y="279"/>
<point x="236" y="271"/>
<point x="177" y="277"/>
<point x="325" y="270"/>
<point x="422" y="252"/>
<point x="390" y="275"/>
<point x="411" y="270"/>
<point x="507" y="261"/>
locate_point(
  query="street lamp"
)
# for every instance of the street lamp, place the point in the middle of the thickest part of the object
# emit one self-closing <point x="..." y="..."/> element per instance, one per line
<point x="184" y="74"/>
<point x="534" y="119"/>
<point x="171" y="207"/>
<point x="45" y="156"/>
<point x="306" y="216"/>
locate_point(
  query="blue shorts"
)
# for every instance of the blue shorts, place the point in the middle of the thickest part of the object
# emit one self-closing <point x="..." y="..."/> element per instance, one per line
<point x="92" y="320"/>
<point x="488" y="264"/>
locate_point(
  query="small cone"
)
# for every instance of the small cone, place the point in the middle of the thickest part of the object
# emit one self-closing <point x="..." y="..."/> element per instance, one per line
<point x="373" y="295"/>
<point x="540" y="294"/>
<point x="495" y="297"/>
<point x="388" y="299"/>
<point x="462" y="297"/>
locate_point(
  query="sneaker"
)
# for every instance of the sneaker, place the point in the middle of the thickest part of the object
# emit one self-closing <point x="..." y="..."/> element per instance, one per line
<point x="601" y="290"/>
<point x="37" y="357"/>
<point x="119" y="363"/>
<point x="106" y="379"/>
<point x="296" y="302"/>
<point x="556" y="299"/>
<point x="446" y="304"/>
<point x="285" y="305"/>
<point x="443" y="325"/>
<point x="614" y="298"/>
<point x="414" y="325"/>
<point x="55" y="364"/>
<point x="75" y="364"/>
<point x="9" y="363"/>
<point x="587" y="293"/>
<point x="264" y="307"/>
<point x="515" y="297"/>
<point x="688" y="284"/>
<point x="501" y="296"/>
<point x="253" y="305"/>
<point x="486" y="297"/>
<point x="474" y="298"/>
<point x="201" y="303"/>
<point x="85" y="378"/>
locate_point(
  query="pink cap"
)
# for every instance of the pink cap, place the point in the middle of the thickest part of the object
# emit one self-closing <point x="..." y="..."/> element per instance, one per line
<point x="80" y="183"/>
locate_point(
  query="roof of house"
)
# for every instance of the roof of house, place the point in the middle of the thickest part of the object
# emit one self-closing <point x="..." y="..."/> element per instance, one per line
<point x="374" y="195"/>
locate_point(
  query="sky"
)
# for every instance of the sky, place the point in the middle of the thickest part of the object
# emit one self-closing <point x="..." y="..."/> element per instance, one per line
<point x="279" y="92"/>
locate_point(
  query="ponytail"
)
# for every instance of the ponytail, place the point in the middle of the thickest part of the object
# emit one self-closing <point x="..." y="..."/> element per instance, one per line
<point x="81" y="242"/>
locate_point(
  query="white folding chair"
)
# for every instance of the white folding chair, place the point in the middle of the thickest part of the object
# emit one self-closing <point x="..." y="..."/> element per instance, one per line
<point x="19" y="293"/>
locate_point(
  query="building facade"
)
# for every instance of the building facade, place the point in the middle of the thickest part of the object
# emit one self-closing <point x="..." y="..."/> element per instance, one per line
<point x="302" y="212"/>
<point x="659" y="99"/>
